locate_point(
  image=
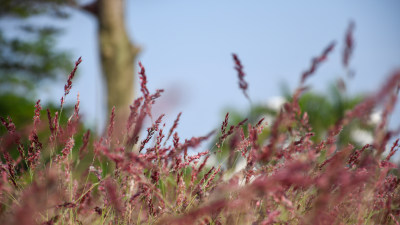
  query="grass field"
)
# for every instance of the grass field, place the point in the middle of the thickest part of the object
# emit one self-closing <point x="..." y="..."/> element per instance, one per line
<point x="138" y="175"/>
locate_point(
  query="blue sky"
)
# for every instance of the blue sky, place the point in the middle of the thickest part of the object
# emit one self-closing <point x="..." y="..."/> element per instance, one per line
<point x="187" y="48"/>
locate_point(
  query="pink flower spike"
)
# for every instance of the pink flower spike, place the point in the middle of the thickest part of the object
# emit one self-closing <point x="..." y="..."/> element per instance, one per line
<point x="68" y="86"/>
<point x="143" y="79"/>
<point x="316" y="62"/>
<point x="239" y="68"/>
<point x="111" y="126"/>
<point x="173" y="127"/>
<point x="349" y="42"/>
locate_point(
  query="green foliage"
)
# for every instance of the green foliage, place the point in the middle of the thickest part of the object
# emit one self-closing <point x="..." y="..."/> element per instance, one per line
<point x="26" y="8"/>
<point x="21" y="112"/>
<point x="24" y="64"/>
<point x="29" y="57"/>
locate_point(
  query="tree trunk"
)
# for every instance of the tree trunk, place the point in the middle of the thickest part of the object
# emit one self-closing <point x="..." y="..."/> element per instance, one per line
<point x="117" y="56"/>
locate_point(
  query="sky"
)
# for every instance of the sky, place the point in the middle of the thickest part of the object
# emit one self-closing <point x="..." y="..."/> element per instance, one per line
<point x="187" y="47"/>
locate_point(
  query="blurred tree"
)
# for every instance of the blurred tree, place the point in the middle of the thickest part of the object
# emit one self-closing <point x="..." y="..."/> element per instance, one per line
<point x="28" y="57"/>
<point x="117" y="52"/>
<point x="26" y="62"/>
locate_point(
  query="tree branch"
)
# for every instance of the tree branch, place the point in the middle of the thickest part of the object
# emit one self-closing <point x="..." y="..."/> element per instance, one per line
<point x="92" y="8"/>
